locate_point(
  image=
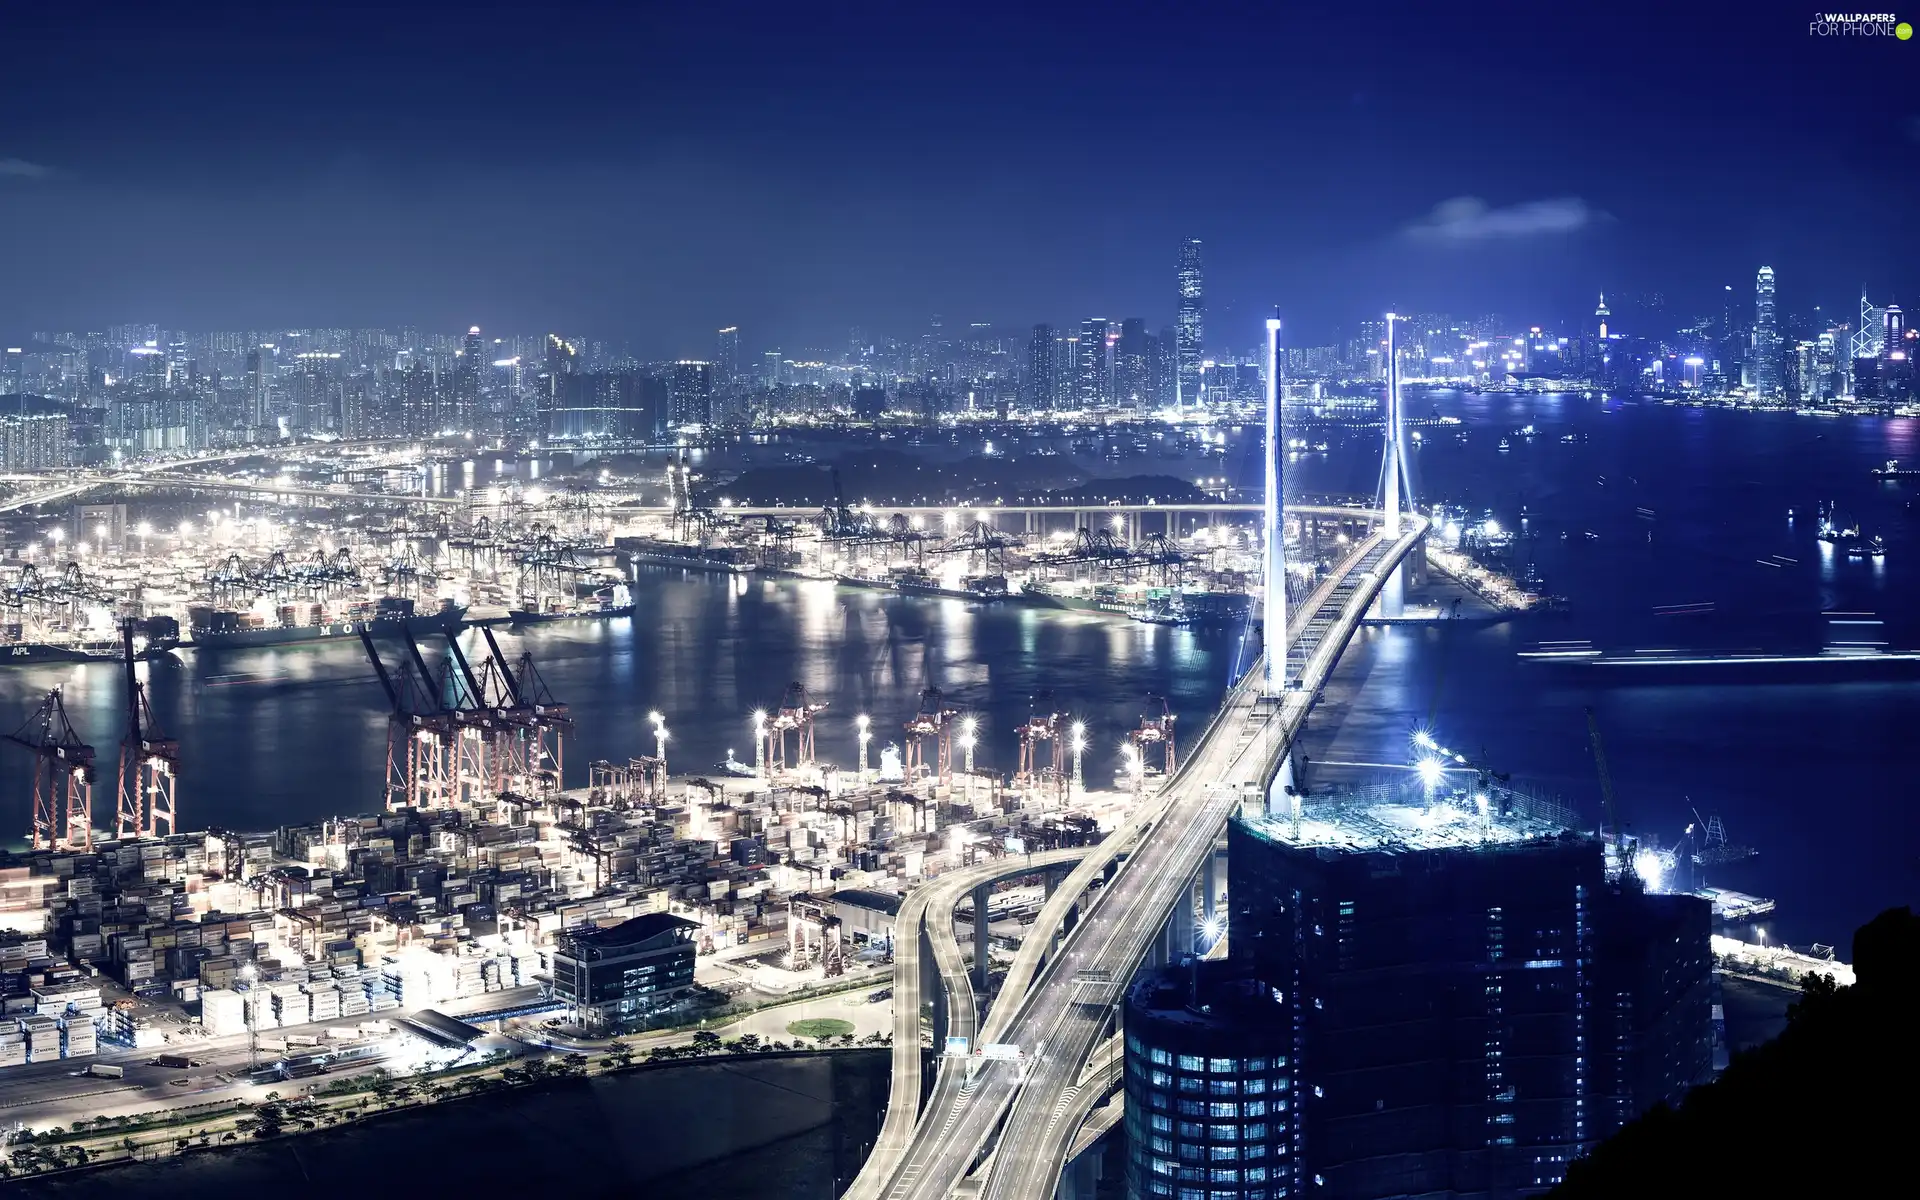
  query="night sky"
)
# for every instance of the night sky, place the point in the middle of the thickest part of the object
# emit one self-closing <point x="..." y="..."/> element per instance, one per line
<point x="798" y="168"/>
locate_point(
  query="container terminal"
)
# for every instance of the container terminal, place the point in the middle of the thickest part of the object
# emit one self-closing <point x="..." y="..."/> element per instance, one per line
<point x="328" y="545"/>
<point x="486" y="886"/>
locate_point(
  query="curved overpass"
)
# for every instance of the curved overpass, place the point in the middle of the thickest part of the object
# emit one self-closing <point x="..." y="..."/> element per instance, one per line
<point x="1015" y="1109"/>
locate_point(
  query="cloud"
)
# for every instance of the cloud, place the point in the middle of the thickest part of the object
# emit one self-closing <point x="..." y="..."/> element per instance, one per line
<point x="20" y="168"/>
<point x="1471" y="219"/>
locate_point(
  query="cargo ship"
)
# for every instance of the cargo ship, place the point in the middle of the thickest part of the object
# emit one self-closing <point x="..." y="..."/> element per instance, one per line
<point x="212" y="628"/>
<point x="153" y="637"/>
<point x="917" y="581"/>
<point x="614" y="600"/>
<point x="658" y="552"/>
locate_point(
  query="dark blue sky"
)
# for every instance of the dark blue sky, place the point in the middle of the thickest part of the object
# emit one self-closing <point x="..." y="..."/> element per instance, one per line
<point x="799" y="168"/>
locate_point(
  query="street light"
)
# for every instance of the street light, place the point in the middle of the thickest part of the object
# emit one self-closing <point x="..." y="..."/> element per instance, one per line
<point x="864" y="723"/>
<point x="1079" y="745"/>
<point x="760" y="741"/>
<point x="247" y="975"/>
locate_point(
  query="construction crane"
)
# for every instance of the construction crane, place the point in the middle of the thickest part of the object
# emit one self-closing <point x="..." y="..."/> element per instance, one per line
<point x="62" y="778"/>
<point x="1606" y="794"/>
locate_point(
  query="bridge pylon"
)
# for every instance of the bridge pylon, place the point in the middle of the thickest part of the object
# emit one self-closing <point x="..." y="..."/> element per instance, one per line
<point x="1393" y="470"/>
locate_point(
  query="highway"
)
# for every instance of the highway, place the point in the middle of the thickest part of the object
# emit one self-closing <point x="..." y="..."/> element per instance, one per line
<point x="88" y="481"/>
<point x="1060" y="1020"/>
<point x="915" y="946"/>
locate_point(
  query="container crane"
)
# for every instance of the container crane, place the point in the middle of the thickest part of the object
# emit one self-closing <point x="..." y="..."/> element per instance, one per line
<point x="62" y="778"/>
<point x="149" y="762"/>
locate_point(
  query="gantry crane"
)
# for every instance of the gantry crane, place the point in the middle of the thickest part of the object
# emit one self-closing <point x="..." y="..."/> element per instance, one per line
<point x="795" y="714"/>
<point x="420" y="734"/>
<point x="149" y="762"/>
<point x="1156" y="729"/>
<point x="62" y="778"/>
<point x="934" y="720"/>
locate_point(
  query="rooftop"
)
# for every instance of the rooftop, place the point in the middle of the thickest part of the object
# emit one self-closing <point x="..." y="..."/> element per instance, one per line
<point x="630" y="932"/>
<point x="1372" y="824"/>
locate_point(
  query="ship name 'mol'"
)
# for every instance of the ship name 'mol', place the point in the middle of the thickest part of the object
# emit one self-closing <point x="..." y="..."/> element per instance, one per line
<point x="1852" y="25"/>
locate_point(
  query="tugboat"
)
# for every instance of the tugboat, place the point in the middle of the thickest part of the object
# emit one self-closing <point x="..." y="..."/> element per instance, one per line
<point x="1505" y="445"/>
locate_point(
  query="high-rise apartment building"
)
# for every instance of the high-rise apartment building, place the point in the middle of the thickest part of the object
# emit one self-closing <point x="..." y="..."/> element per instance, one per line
<point x="464" y="414"/>
<point x="1093" y="377"/>
<point x="1767" y="349"/>
<point x="726" y="359"/>
<point x="260" y="386"/>
<point x="690" y="393"/>
<point x="1042" y="374"/>
<point x="1190" y="322"/>
<point x="1133" y="366"/>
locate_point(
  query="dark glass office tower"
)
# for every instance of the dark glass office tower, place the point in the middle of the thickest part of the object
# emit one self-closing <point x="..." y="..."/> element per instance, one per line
<point x="1209" y="1085"/>
<point x="1472" y="1003"/>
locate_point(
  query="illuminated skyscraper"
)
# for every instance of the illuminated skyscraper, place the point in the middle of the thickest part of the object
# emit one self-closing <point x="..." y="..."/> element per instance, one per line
<point x="260" y="386"/>
<point x="1041" y="371"/>
<point x="1190" y="322"/>
<point x="690" y="393"/>
<point x="1093" y="378"/>
<point x="1132" y="365"/>
<point x="1766" y="339"/>
<point x="726" y="359"/>
<point x="466" y="382"/>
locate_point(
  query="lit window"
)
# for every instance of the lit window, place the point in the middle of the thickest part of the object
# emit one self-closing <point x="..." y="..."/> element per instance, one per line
<point x="1254" y="1175"/>
<point x="1222" y="1087"/>
<point x="1224" y="1153"/>
<point x="1161" y="1079"/>
<point x="1223" y="1108"/>
<point x="1161" y="1058"/>
<point x="1162" y="1124"/>
<point x="1255" y="1087"/>
<point x="1192" y="1083"/>
<point x="1222" y="1066"/>
<point x="1255" y="1108"/>
<point x="1192" y="1062"/>
<point x="1225" y="1175"/>
<point x="1257" y="1131"/>
<point x="1223" y="1133"/>
<point x="1256" y="1064"/>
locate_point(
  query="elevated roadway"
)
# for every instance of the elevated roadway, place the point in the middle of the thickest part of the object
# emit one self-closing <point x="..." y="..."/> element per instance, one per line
<point x="160" y="473"/>
<point x="1024" y="1112"/>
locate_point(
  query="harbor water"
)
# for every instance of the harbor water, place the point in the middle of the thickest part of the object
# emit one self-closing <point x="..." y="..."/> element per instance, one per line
<point x="1684" y="507"/>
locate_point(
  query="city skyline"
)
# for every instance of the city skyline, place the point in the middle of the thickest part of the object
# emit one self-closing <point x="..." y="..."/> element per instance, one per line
<point x="698" y="196"/>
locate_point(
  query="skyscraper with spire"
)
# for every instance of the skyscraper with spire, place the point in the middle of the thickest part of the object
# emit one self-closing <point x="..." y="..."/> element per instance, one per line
<point x="1602" y="313"/>
<point x="1766" y="339"/>
<point x="1189" y="324"/>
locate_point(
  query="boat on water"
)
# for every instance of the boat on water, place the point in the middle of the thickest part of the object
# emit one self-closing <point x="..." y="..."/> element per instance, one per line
<point x="601" y="604"/>
<point x="917" y="581"/>
<point x="1651" y="666"/>
<point x="153" y="637"/>
<point x="221" y="629"/>
<point x="488" y="614"/>
<point x="1893" y="470"/>
<point x="735" y="769"/>
<point x="659" y="552"/>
